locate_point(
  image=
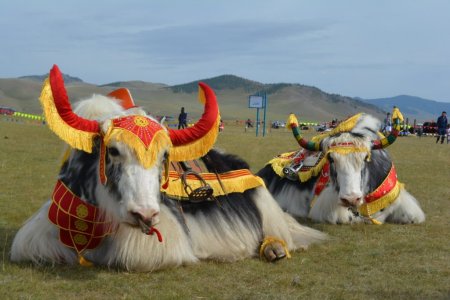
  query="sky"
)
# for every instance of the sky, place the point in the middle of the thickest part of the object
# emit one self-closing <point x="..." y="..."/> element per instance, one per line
<point x="358" y="48"/>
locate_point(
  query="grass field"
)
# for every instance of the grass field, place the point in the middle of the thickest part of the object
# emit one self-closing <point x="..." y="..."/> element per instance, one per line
<point x="358" y="262"/>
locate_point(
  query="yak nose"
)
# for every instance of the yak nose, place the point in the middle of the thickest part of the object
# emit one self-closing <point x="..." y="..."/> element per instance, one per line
<point x="351" y="200"/>
<point x="147" y="215"/>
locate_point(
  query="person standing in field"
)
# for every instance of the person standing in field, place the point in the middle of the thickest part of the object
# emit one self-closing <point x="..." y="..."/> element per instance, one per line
<point x="387" y="128"/>
<point x="182" y="119"/>
<point x="441" y="124"/>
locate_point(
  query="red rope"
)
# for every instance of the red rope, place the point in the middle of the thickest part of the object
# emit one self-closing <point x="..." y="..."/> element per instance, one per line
<point x="153" y="230"/>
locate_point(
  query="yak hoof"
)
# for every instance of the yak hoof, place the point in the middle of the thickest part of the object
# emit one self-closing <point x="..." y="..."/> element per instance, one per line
<point x="274" y="251"/>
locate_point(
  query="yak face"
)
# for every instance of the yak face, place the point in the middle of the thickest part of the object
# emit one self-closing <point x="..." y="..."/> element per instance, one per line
<point x="348" y="155"/>
<point x="132" y="191"/>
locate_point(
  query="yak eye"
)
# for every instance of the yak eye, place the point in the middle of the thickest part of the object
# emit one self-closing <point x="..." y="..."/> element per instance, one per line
<point x="113" y="151"/>
<point x="330" y="159"/>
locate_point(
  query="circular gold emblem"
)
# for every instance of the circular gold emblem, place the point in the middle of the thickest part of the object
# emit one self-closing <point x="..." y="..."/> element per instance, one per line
<point x="81" y="225"/>
<point x="140" y="121"/>
<point x="82" y="211"/>
<point x="80" y="239"/>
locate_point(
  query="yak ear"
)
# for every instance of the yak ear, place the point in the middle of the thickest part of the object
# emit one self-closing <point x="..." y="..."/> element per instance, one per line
<point x="78" y="132"/>
<point x="194" y="142"/>
<point x="124" y="96"/>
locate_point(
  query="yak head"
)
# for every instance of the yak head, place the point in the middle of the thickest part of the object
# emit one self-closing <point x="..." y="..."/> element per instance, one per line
<point x="350" y="148"/>
<point x="118" y="155"/>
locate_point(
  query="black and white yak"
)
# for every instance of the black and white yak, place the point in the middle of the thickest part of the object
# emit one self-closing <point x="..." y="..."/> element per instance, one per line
<point x="344" y="176"/>
<point x="111" y="189"/>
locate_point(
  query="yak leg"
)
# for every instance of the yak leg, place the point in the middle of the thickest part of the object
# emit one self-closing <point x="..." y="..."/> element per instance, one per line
<point x="274" y="251"/>
<point x="290" y="235"/>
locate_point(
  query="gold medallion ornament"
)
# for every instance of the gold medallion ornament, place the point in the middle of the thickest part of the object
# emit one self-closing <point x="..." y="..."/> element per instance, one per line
<point x="141" y="121"/>
<point x="81" y="225"/>
<point x="82" y="211"/>
<point x="80" y="239"/>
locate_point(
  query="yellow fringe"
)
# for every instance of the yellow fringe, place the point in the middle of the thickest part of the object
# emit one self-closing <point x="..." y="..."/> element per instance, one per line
<point x="237" y="184"/>
<point x="197" y="148"/>
<point x="76" y="138"/>
<point x="283" y="160"/>
<point x="351" y="149"/>
<point x="344" y="126"/>
<point x="314" y="171"/>
<point x="146" y="156"/>
<point x="269" y="240"/>
<point x="369" y="209"/>
<point x="279" y="162"/>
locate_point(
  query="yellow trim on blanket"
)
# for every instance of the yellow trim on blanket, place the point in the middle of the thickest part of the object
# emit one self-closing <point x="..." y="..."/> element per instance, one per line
<point x="285" y="159"/>
<point x="368" y="209"/>
<point x="237" y="181"/>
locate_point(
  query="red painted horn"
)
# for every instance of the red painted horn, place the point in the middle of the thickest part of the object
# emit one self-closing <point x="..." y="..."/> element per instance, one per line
<point x="194" y="142"/>
<point x="63" y="107"/>
<point x="203" y="126"/>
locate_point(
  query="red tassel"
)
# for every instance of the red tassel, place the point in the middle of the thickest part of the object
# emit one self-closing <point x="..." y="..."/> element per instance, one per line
<point x="102" y="162"/>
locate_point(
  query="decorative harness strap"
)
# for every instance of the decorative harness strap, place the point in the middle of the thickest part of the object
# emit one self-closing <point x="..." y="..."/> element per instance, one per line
<point x="382" y="196"/>
<point x="81" y="225"/>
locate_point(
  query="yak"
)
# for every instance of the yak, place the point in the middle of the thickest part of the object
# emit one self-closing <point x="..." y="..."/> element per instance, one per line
<point x="343" y="176"/>
<point x="113" y="203"/>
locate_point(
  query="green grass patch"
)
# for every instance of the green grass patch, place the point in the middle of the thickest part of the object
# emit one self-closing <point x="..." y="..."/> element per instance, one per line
<point x="359" y="261"/>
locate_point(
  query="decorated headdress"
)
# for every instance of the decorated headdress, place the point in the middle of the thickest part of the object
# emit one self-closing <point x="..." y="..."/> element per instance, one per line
<point x="144" y="135"/>
<point x="346" y="126"/>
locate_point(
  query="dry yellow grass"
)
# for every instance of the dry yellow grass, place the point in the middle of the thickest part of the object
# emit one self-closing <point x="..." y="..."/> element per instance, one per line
<point x="363" y="261"/>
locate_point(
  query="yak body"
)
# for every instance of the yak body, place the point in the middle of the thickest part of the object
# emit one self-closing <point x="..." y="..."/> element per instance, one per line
<point x="351" y="177"/>
<point x="229" y="229"/>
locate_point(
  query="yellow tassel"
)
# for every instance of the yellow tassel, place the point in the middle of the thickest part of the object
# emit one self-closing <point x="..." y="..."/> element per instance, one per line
<point x="197" y="148"/>
<point x="375" y="221"/>
<point x="269" y="240"/>
<point x="292" y="119"/>
<point x="77" y="139"/>
<point x="146" y="156"/>
<point x="84" y="262"/>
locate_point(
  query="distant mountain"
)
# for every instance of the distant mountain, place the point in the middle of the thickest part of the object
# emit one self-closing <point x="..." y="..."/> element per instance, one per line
<point x="412" y="107"/>
<point x="309" y="103"/>
<point x="40" y="78"/>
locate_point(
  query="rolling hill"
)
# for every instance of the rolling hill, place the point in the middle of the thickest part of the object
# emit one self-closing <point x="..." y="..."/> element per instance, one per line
<point x="413" y="107"/>
<point x="309" y="103"/>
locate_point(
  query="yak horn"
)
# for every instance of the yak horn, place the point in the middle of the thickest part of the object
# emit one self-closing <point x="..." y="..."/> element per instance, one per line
<point x="78" y="132"/>
<point x="397" y="117"/>
<point x="194" y="142"/>
<point x="292" y="123"/>
<point x="390" y="139"/>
